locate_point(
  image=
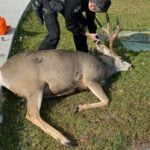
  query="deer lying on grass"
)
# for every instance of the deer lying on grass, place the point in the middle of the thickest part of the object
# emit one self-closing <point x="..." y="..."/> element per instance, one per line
<point x="28" y="73"/>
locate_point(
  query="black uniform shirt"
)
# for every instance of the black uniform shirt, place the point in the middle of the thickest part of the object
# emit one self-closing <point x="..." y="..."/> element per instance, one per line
<point x="76" y="22"/>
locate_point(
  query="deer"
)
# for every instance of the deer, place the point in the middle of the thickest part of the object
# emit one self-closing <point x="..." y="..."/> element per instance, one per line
<point x="27" y="74"/>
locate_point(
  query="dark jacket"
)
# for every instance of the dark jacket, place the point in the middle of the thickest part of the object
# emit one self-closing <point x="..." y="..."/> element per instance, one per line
<point x="75" y="21"/>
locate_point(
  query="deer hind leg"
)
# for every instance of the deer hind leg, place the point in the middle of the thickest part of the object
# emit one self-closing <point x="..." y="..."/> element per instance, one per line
<point x="97" y="90"/>
<point x="33" y="115"/>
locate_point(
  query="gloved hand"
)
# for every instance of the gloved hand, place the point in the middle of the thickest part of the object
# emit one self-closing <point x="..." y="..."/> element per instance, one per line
<point x="37" y="7"/>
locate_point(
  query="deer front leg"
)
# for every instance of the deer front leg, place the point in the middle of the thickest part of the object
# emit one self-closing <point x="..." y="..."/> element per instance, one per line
<point x="2" y="99"/>
<point x="97" y="90"/>
<point x="33" y="115"/>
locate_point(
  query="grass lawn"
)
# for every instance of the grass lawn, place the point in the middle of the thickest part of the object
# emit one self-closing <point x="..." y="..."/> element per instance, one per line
<point x="123" y="125"/>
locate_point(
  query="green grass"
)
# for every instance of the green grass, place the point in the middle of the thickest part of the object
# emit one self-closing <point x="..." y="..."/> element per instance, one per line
<point x="123" y="125"/>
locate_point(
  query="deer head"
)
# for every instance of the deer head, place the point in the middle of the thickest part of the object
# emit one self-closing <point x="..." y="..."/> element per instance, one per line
<point x="119" y="63"/>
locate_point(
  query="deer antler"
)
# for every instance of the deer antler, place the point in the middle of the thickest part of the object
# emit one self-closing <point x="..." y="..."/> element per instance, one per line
<point x="112" y="36"/>
<point x="107" y="30"/>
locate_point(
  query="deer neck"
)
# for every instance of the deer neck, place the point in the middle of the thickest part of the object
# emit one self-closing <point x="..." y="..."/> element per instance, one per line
<point x="109" y="65"/>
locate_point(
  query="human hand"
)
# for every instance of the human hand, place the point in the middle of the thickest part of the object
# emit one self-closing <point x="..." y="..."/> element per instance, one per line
<point x="92" y="36"/>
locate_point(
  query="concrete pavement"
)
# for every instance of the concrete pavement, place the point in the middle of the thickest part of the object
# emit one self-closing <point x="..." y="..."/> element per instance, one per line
<point x="12" y="11"/>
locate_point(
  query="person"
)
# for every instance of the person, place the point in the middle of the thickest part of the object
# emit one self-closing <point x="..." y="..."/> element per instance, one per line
<point x="76" y="22"/>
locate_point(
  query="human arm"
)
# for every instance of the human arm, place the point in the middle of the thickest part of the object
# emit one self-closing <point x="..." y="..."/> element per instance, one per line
<point x="90" y="17"/>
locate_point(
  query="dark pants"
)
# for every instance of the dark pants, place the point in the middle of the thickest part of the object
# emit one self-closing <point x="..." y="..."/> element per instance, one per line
<point x="50" y="16"/>
<point x="51" y="40"/>
<point x="80" y="42"/>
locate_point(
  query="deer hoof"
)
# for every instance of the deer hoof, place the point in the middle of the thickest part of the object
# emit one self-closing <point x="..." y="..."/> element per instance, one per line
<point x="77" y="109"/>
<point x="69" y="143"/>
<point x="1" y="118"/>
